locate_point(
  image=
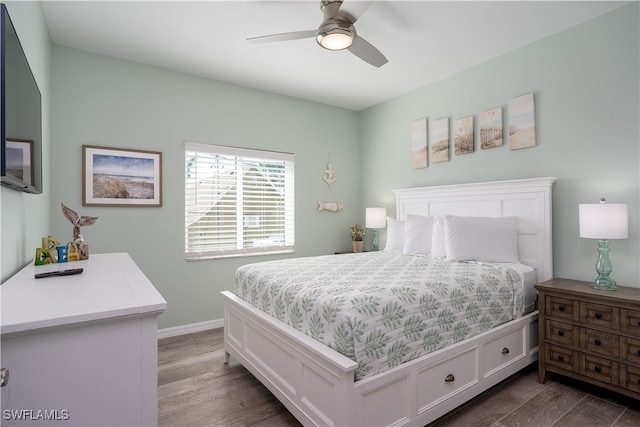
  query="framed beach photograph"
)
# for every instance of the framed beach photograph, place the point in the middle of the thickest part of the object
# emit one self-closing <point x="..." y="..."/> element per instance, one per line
<point x="121" y="177"/>
<point x="19" y="159"/>
<point x="463" y="141"/>
<point x="440" y="140"/>
<point x="522" y="122"/>
<point x="419" y="144"/>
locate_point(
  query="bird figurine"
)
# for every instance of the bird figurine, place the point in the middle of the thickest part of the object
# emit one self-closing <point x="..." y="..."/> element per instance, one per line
<point x="79" y="221"/>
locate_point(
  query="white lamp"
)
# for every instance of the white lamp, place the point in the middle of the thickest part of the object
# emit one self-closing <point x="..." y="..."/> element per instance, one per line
<point x="604" y="221"/>
<point x="375" y="218"/>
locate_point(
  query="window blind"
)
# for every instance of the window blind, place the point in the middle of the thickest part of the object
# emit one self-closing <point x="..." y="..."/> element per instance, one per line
<point x="238" y="201"/>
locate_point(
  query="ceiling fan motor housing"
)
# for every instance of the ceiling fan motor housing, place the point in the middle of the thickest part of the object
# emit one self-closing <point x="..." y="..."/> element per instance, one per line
<point x="336" y="32"/>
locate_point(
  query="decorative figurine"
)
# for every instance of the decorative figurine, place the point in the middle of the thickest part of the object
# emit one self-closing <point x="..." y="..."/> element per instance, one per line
<point x="79" y="221"/>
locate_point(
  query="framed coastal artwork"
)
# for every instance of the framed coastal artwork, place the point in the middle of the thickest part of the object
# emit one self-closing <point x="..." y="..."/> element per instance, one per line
<point x="522" y="122"/>
<point x="121" y="177"/>
<point x="19" y="159"/>
<point x="440" y="140"/>
<point x="463" y="141"/>
<point x="419" y="143"/>
<point x="491" y="128"/>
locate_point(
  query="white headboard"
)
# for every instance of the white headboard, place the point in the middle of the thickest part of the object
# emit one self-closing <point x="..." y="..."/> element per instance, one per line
<point x="529" y="200"/>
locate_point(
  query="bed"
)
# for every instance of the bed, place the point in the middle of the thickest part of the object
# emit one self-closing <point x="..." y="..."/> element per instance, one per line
<point x="321" y="386"/>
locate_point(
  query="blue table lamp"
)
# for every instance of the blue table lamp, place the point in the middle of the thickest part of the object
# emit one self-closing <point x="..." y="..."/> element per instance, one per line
<point x="375" y="218"/>
<point x="603" y="221"/>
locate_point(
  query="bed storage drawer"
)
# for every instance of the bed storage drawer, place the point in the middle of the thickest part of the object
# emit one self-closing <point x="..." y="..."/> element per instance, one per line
<point x="447" y="378"/>
<point x="502" y="351"/>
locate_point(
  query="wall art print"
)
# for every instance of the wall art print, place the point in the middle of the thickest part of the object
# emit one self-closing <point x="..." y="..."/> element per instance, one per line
<point x="491" y="130"/>
<point x="440" y="140"/>
<point x="419" y="158"/>
<point x="463" y="141"/>
<point x="19" y="159"/>
<point x="121" y="177"/>
<point x="522" y="122"/>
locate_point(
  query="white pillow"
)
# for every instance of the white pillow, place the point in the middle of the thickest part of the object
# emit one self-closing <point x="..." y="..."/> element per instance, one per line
<point x="395" y="235"/>
<point x="481" y="239"/>
<point x="438" y="248"/>
<point x="418" y="231"/>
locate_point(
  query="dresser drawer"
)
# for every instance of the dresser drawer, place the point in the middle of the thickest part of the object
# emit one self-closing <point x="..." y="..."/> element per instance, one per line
<point x="630" y="321"/>
<point x="599" y="368"/>
<point x="630" y="349"/>
<point x="630" y="378"/>
<point x="561" y="357"/>
<point x="502" y="351"/>
<point x="603" y="343"/>
<point x="604" y="316"/>
<point x="562" y="333"/>
<point x="561" y="308"/>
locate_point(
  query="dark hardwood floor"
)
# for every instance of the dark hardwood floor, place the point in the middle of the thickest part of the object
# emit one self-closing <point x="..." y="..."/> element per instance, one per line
<point x="195" y="388"/>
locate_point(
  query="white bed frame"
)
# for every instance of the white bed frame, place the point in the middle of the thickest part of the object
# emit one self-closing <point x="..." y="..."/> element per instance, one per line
<point x="316" y="383"/>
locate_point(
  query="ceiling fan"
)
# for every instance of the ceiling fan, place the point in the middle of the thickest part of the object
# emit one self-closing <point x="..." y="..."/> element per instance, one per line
<point x="336" y="32"/>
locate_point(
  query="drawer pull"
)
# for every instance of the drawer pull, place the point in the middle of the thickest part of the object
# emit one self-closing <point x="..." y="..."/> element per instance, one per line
<point x="598" y="369"/>
<point x="560" y="332"/>
<point x="598" y="315"/>
<point x="505" y="350"/>
<point x="561" y="307"/>
<point x="449" y="378"/>
<point x="597" y="341"/>
<point x="561" y="358"/>
<point x="638" y="352"/>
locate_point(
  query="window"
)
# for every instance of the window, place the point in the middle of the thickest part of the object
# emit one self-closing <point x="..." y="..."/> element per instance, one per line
<point x="237" y="201"/>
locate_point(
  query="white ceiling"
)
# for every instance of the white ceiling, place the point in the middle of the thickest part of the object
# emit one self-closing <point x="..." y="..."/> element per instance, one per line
<point x="424" y="41"/>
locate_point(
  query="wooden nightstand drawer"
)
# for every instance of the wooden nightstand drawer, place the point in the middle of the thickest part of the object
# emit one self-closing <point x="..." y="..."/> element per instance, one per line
<point x="630" y="349"/>
<point x="603" y="343"/>
<point x="562" y="333"/>
<point x="561" y="357"/>
<point x="599" y="368"/>
<point x="630" y="378"/>
<point x="600" y="315"/>
<point x="630" y="320"/>
<point x="561" y="308"/>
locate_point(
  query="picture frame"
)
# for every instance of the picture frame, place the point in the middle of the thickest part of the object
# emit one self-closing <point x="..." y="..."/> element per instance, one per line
<point x="463" y="140"/>
<point x="440" y="140"/>
<point x="121" y="177"/>
<point x="19" y="159"/>
<point x="522" y="122"/>
<point x="491" y="131"/>
<point x="419" y="158"/>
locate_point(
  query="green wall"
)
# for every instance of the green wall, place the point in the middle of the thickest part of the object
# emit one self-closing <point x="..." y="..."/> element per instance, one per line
<point x="585" y="82"/>
<point x="107" y="102"/>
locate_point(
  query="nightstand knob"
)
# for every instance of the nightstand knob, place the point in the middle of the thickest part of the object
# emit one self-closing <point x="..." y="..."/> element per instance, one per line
<point x="597" y="342"/>
<point x="561" y="307"/>
<point x="598" y="369"/>
<point x="598" y="316"/>
<point x="505" y="350"/>
<point x="560" y="357"/>
<point x="449" y="378"/>
<point x="638" y="322"/>
<point x="561" y="332"/>
<point x="638" y="352"/>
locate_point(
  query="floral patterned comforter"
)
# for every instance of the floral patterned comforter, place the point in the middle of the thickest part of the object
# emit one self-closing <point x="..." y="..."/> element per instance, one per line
<point x="382" y="309"/>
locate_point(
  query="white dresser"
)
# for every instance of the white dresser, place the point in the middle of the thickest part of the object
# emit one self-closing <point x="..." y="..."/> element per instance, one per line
<point x="81" y="350"/>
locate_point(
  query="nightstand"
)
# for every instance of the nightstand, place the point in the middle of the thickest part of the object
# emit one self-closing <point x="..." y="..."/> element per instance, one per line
<point x="590" y="335"/>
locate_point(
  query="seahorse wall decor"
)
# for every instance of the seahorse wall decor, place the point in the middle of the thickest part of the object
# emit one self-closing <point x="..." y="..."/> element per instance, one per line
<point x="81" y="247"/>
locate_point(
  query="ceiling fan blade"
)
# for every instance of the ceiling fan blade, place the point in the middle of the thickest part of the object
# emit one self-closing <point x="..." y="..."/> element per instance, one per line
<point x="281" y="37"/>
<point x="353" y="10"/>
<point x="367" y="52"/>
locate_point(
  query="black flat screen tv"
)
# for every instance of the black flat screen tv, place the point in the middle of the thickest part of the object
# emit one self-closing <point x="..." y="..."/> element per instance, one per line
<point x="21" y="116"/>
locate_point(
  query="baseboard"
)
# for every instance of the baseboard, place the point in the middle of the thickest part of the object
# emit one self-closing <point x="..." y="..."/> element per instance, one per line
<point x="190" y="328"/>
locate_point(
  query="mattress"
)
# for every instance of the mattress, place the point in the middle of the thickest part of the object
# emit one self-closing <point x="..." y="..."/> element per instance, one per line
<point x="382" y="309"/>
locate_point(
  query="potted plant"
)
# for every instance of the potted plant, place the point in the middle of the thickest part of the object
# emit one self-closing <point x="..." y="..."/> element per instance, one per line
<point x="357" y="237"/>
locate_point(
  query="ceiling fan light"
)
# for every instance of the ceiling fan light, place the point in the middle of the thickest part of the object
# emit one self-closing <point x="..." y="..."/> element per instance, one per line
<point x="335" y="41"/>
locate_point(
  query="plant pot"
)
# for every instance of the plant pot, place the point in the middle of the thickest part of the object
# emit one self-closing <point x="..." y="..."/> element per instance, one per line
<point x="358" y="245"/>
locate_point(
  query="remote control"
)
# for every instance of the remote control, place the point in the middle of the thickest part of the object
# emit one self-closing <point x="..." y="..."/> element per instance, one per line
<point x="59" y="273"/>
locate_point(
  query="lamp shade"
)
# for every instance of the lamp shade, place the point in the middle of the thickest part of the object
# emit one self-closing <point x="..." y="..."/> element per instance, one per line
<point x="604" y="221"/>
<point x="375" y="217"/>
